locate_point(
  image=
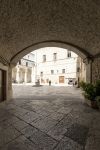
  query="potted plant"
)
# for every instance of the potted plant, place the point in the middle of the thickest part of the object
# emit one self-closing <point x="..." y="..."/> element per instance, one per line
<point x="82" y="84"/>
<point x="97" y="89"/>
<point x="90" y="94"/>
<point x="98" y="101"/>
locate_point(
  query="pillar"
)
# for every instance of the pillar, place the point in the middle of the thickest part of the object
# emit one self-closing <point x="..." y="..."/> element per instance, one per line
<point x="17" y="75"/>
<point x="89" y="73"/>
<point x="92" y="69"/>
<point x="88" y="63"/>
<point x="33" y="75"/>
<point x="96" y="70"/>
<point x="9" y="83"/>
<point x="26" y="72"/>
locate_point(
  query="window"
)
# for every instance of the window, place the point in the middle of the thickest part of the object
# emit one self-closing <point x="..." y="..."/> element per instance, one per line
<point x="19" y="62"/>
<point x="63" y="70"/>
<point x="41" y="74"/>
<point x="78" y="69"/>
<point x="44" y="58"/>
<point x="26" y="63"/>
<point x="69" y="54"/>
<point x="54" y="56"/>
<point x="52" y="71"/>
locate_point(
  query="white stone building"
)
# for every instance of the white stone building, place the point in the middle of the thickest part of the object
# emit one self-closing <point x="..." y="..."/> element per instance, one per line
<point x="56" y="65"/>
<point x="60" y="66"/>
<point x="23" y="72"/>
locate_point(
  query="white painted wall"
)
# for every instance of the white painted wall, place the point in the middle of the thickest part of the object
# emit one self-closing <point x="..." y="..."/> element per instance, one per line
<point x="62" y="62"/>
<point x="22" y="73"/>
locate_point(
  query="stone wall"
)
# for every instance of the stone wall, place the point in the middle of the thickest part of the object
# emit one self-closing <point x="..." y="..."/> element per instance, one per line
<point x="96" y="70"/>
<point x="9" y="83"/>
<point x="5" y="86"/>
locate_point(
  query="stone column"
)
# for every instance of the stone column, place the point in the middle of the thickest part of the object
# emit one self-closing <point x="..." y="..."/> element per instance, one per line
<point x="26" y="71"/>
<point x="96" y="69"/>
<point x="88" y="63"/>
<point x="92" y="70"/>
<point x="33" y="75"/>
<point x="17" y="75"/>
<point x="9" y="83"/>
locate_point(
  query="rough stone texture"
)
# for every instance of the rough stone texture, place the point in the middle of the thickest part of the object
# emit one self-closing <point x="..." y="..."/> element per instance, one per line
<point x="33" y="120"/>
<point x="43" y="141"/>
<point x="77" y="133"/>
<point x="21" y="143"/>
<point x="7" y="135"/>
<point x="44" y="124"/>
<point x="29" y="131"/>
<point x="9" y="83"/>
<point x="27" y="23"/>
<point x="68" y="144"/>
<point x="96" y="70"/>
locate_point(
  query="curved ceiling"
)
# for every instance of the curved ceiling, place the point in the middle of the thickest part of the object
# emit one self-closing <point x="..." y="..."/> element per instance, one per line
<point x="23" y="23"/>
<point x="79" y="51"/>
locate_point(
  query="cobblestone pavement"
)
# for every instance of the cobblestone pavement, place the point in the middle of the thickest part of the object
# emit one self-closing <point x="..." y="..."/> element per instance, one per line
<point x="48" y="118"/>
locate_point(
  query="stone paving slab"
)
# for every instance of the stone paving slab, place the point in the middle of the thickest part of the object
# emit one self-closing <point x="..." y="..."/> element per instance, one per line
<point x="7" y="135"/>
<point x="19" y="125"/>
<point x="56" y="116"/>
<point x="44" y="141"/>
<point x="93" y="143"/>
<point x="44" y="124"/>
<point x="30" y="116"/>
<point x="68" y="144"/>
<point x="77" y="133"/>
<point x="29" y="131"/>
<point x="57" y="132"/>
<point x="48" y="118"/>
<point x="21" y="143"/>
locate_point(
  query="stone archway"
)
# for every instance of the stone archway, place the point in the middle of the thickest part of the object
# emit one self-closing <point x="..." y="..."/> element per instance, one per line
<point x="79" y="51"/>
<point x="28" y="25"/>
<point x="87" y="58"/>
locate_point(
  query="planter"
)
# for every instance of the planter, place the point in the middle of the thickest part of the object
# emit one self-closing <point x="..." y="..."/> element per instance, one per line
<point x="92" y="104"/>
<point x="98" y="101"/>
<point x="88" y="102"/>
<point x="98" y="104"/>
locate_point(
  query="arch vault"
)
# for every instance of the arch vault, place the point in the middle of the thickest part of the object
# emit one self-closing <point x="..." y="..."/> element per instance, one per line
<point x="28" y="25"/>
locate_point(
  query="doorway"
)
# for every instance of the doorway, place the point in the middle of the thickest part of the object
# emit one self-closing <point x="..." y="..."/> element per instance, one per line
<point x="61" y="79"/>
<point x="2" y="85"/>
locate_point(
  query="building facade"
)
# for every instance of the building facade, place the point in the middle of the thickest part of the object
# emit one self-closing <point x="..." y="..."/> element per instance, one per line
<point x="60" y="66"/>
<point x="56" y="65"/>
<point x="23" y="72"/>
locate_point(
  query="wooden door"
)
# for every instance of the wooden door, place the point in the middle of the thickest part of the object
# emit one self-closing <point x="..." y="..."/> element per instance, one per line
<point x="61" y="79"/>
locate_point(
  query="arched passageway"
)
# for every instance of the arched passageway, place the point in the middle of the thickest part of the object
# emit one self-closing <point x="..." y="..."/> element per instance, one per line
<point x="62" y="48"/>
<point x="58" y="60"/>
<point x="27" y="24"/>
<point x="87" y="59"/>
<point x="79" y="51"/>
